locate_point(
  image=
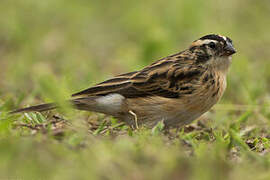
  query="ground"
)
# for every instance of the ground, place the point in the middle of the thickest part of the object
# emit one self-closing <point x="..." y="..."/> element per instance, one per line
<point x="51" y="49"/>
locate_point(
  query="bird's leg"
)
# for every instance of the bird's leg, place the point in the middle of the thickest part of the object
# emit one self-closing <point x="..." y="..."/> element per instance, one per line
<point x="135" y="118"/>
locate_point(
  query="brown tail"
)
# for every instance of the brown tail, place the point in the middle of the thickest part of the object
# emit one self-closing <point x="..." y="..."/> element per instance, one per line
<point x="80" y="103"/>
<point x="38" y="108"/>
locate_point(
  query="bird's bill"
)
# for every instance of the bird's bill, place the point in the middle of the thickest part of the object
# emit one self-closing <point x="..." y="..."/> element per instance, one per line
<point x="229" y="50"/>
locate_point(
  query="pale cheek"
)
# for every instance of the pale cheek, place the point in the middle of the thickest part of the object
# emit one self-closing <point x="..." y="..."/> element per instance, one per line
<point x="230" y="59"/>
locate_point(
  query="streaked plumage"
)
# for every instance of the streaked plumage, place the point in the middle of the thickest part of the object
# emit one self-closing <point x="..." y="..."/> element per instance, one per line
<point x="176" y="89"/>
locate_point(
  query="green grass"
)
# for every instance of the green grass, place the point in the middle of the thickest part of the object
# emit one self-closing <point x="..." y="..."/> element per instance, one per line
<point x="51" y="49"/>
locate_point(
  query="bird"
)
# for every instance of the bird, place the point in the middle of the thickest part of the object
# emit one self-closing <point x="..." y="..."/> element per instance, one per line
<point x="176" y="89"/>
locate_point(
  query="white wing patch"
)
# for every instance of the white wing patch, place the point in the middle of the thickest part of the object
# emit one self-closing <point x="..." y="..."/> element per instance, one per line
<point x="111" y="103"/>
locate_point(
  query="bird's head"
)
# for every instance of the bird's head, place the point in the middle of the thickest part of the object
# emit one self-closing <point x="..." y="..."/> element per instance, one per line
<point x="214" y="51"/>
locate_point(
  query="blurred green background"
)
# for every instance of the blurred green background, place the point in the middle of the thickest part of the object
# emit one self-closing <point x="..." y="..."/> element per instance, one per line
<point x="51" y="49"/>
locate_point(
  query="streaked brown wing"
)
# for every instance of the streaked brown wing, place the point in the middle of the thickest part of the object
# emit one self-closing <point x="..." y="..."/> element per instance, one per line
<point x="167" y="77"/>
<point x="113" y="85"/>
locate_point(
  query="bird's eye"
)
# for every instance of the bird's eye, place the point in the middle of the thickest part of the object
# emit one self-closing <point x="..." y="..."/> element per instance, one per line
<point x="212" y="45"/>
